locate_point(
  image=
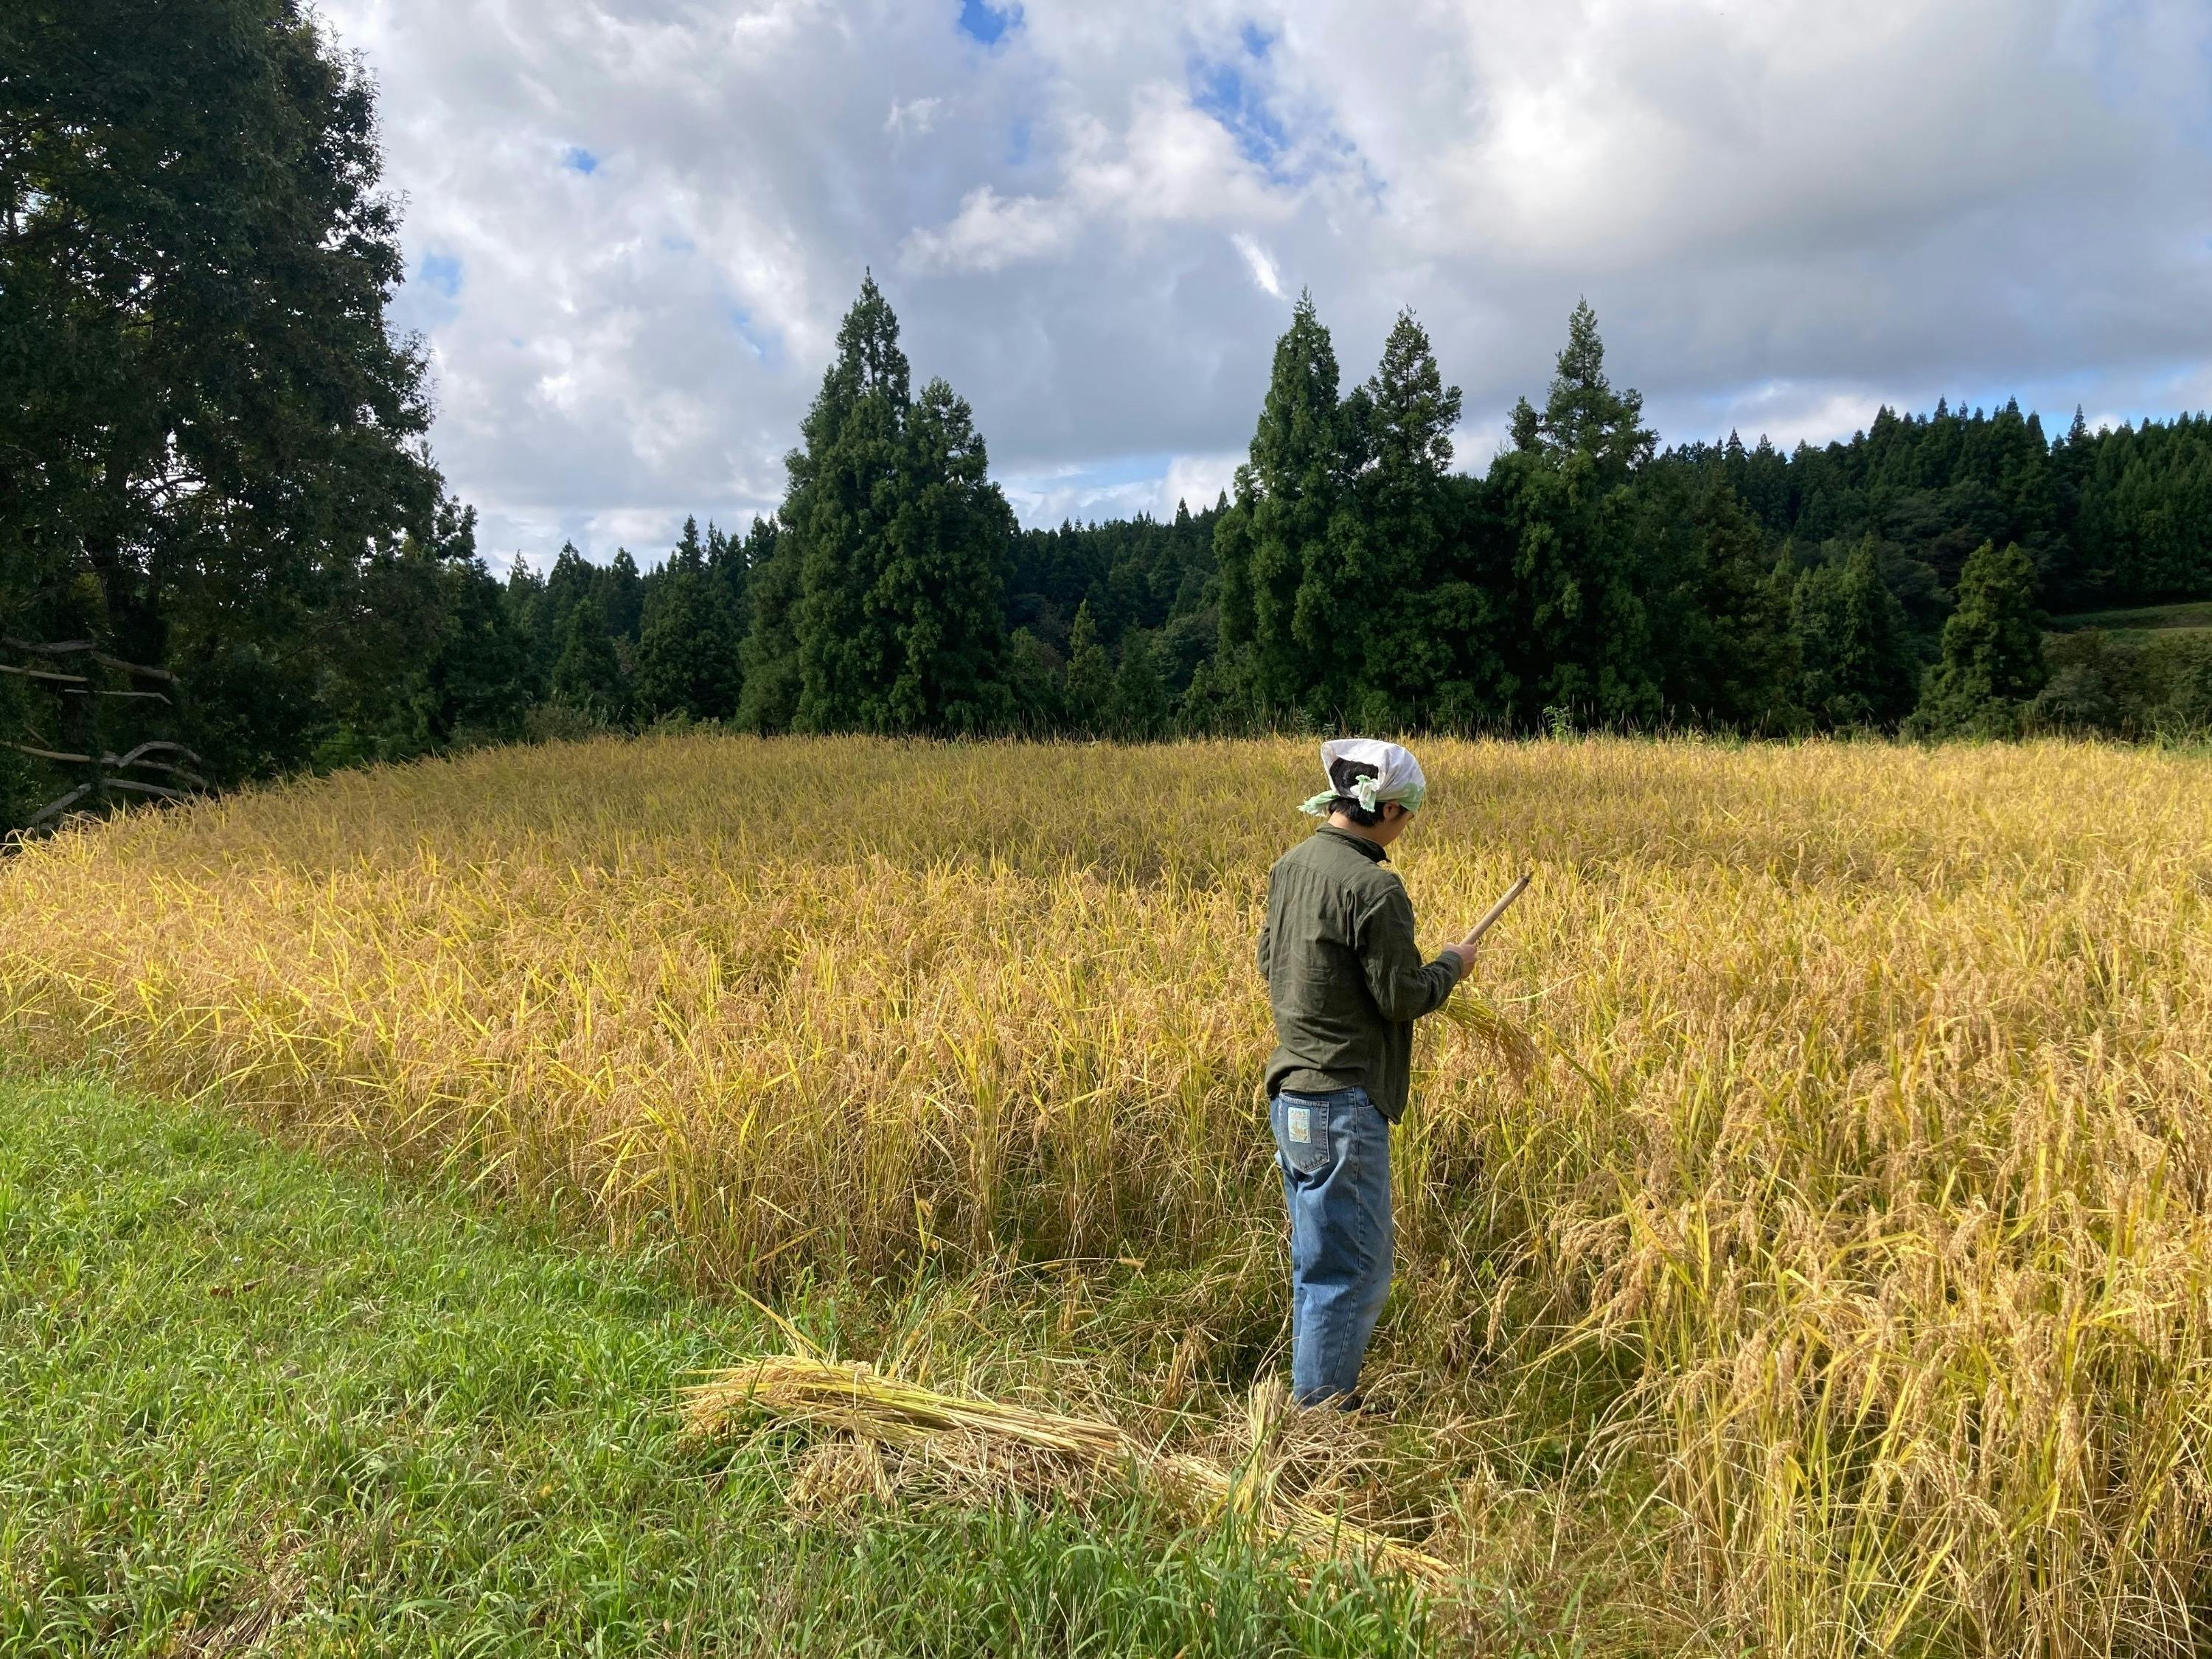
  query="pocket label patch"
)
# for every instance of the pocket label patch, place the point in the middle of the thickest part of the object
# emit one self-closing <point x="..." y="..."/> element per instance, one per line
<point x="1299" y="1124"/>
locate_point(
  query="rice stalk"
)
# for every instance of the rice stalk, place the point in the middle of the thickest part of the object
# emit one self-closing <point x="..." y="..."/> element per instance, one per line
<point x="1471" y="1011"/>
<point x="855" y="1399"/>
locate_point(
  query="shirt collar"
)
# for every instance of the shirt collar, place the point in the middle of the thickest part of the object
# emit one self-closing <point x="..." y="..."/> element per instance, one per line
<point x="1365" y="847"/>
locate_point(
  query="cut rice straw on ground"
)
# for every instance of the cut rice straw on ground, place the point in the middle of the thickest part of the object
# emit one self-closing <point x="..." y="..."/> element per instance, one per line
<point x="856" y="1399"/>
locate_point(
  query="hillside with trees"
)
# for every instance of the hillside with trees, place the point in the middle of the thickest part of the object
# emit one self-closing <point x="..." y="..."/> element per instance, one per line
<point x="226" y="554"/>
<point x="1898" y="582"/>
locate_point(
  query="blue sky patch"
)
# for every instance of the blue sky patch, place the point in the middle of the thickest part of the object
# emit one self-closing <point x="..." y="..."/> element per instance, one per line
<point x="762" y="343"/>
<point x="1223" y="88"/>
<point x="577" y="159"/>
<point x="440" y="272"/>
<point x="986" y="23"/>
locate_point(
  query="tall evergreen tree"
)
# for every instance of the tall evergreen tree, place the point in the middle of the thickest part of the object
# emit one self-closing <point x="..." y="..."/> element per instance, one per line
<point x="1039" y="704"/>
<point x="1089" y="675"/>
<point x="1140" y="707"/>
<point x="936" y="604"/>
<point x="1413" y="629"/>
<point x="687" y="658"/>
<point x="622" y="595"/>
<point x="1993" y="659"/>
<point x="729" y="573"/>
<point x="1576" y="641"/>
<point x="573" y="579"/>
<point x="481" y="675"/>
<point x="587" y="674"/>
<point x="1722" y="642"/>
<point x="846" y="484"/>
<point x="524" y="596"/>
<point x="1583" y="414"/>
<point x="464" y="671"/>
<point x="1287" y="496"/>
<point x="768" y="699"/>
<point x="1856" y="662"/>
<point x="896" y="547"/>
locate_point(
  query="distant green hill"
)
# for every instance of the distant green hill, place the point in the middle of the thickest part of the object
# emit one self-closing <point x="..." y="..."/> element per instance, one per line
<point x="2188" y="615"/>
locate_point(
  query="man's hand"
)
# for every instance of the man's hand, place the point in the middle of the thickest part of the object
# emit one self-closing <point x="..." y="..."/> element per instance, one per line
<point x="1462" y="951"/>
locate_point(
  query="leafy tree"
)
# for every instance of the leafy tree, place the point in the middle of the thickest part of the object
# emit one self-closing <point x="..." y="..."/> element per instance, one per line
<point x="201" y="407"/>
<point x="1992" y="660"/>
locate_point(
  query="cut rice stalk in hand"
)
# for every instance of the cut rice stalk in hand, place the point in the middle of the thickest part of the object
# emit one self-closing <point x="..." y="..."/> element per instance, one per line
<point x="856" y="1399"/>
<point x="1468" y="1010"/>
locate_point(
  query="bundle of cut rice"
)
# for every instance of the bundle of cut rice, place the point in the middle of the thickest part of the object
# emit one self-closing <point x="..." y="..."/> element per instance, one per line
<point x="1468" y="1009"/>
<point x="857" y="1400"/>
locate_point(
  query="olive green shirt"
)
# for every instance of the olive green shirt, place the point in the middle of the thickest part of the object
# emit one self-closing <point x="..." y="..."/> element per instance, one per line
<point x="1347" y="982"/>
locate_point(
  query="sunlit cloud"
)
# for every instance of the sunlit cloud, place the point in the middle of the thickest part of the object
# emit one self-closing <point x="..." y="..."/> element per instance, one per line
<point x="632" y="228"/>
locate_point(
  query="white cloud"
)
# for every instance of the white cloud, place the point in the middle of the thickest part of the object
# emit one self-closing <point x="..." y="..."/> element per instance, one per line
<point x="991" y="231"/>
<point x="1263" y="268"/>
<point x="651" y="216"/>
<point x="913" y="118"/>
<point x="1198" y="480"/>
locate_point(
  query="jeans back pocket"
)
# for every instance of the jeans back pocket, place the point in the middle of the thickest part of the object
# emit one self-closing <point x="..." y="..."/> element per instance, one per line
<point x="1302" y="1130"/>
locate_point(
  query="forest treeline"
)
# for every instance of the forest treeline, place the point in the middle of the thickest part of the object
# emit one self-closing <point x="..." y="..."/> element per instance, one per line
<point x="1586" y="578"/>
<point x="221" y="528"/>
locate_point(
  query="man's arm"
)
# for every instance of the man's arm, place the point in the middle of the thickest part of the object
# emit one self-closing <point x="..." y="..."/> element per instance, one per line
<point x="1403" y="986"/>
<point x="1267" y="938"/>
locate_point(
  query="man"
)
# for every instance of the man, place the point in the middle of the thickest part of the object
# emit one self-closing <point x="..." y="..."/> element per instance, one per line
<point x="1348" y="983"/>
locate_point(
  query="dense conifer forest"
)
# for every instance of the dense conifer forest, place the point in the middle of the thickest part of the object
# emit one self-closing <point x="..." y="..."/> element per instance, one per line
<point x="225" y="551"/>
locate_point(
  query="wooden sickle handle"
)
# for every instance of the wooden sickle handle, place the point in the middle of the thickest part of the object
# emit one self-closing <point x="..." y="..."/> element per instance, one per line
<point x="1512" y="894"/>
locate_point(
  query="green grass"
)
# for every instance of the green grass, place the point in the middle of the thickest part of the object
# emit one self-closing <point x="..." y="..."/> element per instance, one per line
<point x="249" y="1402"/>
<point x="2190" y="616"/>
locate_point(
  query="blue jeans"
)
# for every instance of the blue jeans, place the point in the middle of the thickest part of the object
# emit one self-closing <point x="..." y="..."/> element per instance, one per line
<point x="1335" y="1152"/>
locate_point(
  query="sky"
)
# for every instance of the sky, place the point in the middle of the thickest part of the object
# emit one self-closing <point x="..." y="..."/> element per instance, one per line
<point x="632" y="226"/>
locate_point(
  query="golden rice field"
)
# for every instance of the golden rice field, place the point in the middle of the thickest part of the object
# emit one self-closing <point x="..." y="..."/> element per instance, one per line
<point x="1839" y="1279"/>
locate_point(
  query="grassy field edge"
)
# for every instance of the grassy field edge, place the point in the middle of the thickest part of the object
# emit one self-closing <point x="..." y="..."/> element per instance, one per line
<point x="251" y="1400"/>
